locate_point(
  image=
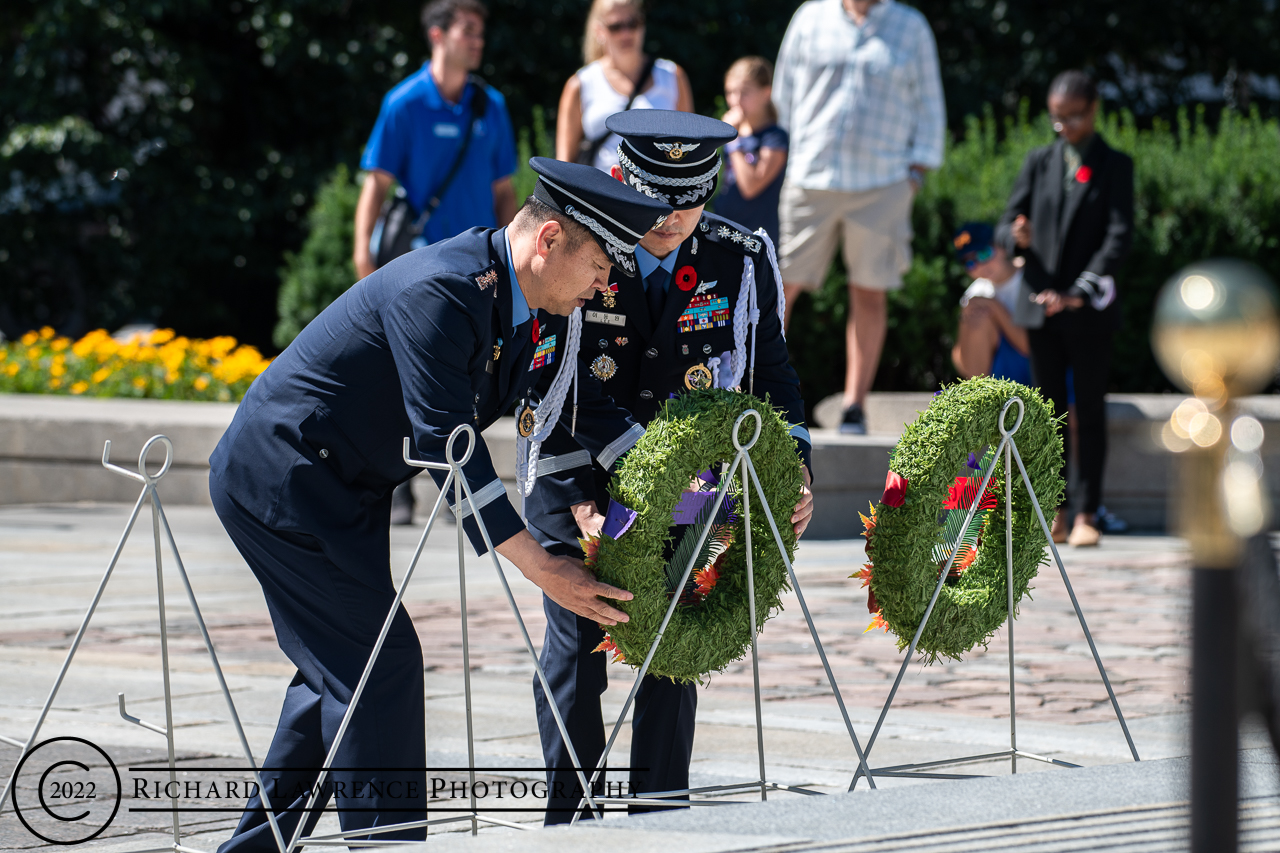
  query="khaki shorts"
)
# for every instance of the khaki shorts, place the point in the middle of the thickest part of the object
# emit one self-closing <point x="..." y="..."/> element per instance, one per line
<point x="874" y="226"/>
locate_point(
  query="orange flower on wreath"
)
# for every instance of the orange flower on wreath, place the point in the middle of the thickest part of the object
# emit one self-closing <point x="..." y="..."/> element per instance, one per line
<point x="607" y="645"/>
<point x="705" y="579"/>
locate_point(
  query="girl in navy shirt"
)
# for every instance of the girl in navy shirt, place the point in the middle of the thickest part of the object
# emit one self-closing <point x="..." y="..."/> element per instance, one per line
<point x="758" y="157"/>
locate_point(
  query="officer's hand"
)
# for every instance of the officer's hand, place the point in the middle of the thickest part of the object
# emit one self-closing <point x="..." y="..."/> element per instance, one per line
<point x="804" y="510"/>
<point x="568" y="584"/>
<point x="588" y="517"/>
<point x="564" y="580"/>
<point x="1022" y="231"/>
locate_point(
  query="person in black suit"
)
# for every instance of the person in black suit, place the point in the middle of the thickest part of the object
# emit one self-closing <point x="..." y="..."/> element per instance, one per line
<point x="302" y="480"/>
<point x="1070" y="218"/>
<point x="705" y="311"/>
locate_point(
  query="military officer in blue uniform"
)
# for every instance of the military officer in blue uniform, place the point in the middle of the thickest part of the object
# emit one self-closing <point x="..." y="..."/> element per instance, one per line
<point x="302" y="480"/>
<point x="705" y="310"/>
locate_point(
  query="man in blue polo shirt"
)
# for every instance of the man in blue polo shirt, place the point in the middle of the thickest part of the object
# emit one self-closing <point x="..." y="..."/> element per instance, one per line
<point x="421" y="128"/>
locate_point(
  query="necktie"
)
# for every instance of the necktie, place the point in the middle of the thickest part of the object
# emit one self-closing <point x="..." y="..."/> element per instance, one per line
<point x="656" y="293"/>
<point x="1072" y="163"/>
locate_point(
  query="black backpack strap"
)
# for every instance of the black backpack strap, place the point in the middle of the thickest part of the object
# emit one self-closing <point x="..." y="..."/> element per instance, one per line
<point x="589" y="150"/>
<point x="479" y="106"/>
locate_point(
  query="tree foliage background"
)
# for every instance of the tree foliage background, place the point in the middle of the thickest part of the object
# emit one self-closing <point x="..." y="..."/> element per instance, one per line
<point x="158" y="157"/>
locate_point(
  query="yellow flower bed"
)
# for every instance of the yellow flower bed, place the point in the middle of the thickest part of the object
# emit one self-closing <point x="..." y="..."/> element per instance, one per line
<point x="159" y="365"/>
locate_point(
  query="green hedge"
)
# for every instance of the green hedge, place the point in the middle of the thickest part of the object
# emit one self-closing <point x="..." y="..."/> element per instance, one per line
<point x="322" y="269"/>
<point x="1200" y="192"/>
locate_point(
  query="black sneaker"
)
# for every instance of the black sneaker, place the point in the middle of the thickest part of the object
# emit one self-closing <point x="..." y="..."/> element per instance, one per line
<point x="402" y="505"/>
<point x="854" y="422"/>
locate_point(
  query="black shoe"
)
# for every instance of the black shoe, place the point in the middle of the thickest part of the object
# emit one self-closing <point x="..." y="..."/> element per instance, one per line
<point x="854" y="422"/>
<point x="402" y="505"/>
<point x="1109" y="523"/>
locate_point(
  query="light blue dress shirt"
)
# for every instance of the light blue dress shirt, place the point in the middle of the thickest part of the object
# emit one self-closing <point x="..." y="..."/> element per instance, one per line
<point x="648" y="263"/>
<point x="519" y="305"/>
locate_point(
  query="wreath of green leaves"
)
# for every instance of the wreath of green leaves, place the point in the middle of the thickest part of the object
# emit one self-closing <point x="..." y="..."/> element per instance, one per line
<point x="692" y="433"/>
<point x="962" y="418"/>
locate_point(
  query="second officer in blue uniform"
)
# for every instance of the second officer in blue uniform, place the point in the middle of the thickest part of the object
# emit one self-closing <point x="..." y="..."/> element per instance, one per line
<point x="704" y="310"/>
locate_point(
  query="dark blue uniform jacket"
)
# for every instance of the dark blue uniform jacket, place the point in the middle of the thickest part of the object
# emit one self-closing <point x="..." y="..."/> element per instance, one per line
<point x="651" y="357"/>
<point x="316" y="445"/>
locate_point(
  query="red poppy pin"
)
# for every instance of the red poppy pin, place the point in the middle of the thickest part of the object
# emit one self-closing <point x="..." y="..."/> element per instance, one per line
<point x="686" y="278"/>
<point x="895" y="490"/>
<point x="1083" y="174"/>
<point x="536" y="329"/>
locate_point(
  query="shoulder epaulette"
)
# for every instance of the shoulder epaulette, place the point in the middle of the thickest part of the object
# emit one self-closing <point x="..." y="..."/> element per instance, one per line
<point x="729" y="234"/>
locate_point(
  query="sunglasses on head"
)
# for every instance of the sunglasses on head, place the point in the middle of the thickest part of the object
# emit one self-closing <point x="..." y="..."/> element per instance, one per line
<point x="980" y="257"/>
<point x="624" y="26"/>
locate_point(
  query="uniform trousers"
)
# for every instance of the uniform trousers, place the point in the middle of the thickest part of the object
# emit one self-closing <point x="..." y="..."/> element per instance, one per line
<point x="662" y="723"/>
<point x="327" y="616"/>
<point x="1083" y="345"/>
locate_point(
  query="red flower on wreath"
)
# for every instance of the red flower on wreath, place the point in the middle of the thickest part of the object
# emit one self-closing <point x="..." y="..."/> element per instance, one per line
<point x="686" y="278"/>
<point x="961" y="493"/>
<point x="895" y="490"/>
<point x="1083" y="174"/>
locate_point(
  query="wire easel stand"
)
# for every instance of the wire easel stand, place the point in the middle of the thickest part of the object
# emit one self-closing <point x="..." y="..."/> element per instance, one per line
<point x="743" y="467"/>
<point x="925" y="770"/>
<point x="454" y="478"/>
<point x="159" y="521"/>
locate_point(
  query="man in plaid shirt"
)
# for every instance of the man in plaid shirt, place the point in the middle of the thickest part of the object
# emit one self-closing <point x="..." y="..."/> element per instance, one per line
<point x="857" y="87"/>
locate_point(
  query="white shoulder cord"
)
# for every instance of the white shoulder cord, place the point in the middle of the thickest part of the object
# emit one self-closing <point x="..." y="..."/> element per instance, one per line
<point x="745" y="313"/>
<point x="548" y="414"/>
<point x="777" y="277"/>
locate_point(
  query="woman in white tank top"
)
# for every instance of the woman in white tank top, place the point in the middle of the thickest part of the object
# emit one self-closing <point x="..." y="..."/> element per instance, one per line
<point x="611" y="48"/>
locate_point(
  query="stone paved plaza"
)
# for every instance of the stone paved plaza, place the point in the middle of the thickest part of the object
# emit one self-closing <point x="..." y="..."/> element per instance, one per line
<point x="1133" y="590"/>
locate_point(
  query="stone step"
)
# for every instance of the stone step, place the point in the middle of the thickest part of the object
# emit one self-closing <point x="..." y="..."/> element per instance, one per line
<point x="51" y="452"/>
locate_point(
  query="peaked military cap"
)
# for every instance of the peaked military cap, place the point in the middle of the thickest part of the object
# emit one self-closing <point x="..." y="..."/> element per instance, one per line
<point x="671" y="156"/>
<point x="616" y="215"/>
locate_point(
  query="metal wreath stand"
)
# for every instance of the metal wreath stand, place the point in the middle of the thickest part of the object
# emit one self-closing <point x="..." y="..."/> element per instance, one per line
<point x="150" y="495"/>
<point x="748" y="475"/>
<point x="921" y="770"/>
<point x="339" y="839"/>
<point x="460" y="487"/>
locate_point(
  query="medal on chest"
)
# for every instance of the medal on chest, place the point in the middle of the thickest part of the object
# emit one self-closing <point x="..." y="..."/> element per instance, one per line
<point x="525" y="421"/>
<point x="497" y="354"/>
<point x="610" y="297"/>
<point x="604" y="368"/>
<point x="697" y="378"/>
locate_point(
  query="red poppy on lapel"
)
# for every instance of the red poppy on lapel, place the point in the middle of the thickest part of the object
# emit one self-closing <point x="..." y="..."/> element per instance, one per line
<point x="686" y="278"/>
<point x="536" y="329"/>
<point x="1083" y="174"/>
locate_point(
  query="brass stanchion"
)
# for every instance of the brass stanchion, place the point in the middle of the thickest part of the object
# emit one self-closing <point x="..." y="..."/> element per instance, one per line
<point x="1216" y="335"/>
